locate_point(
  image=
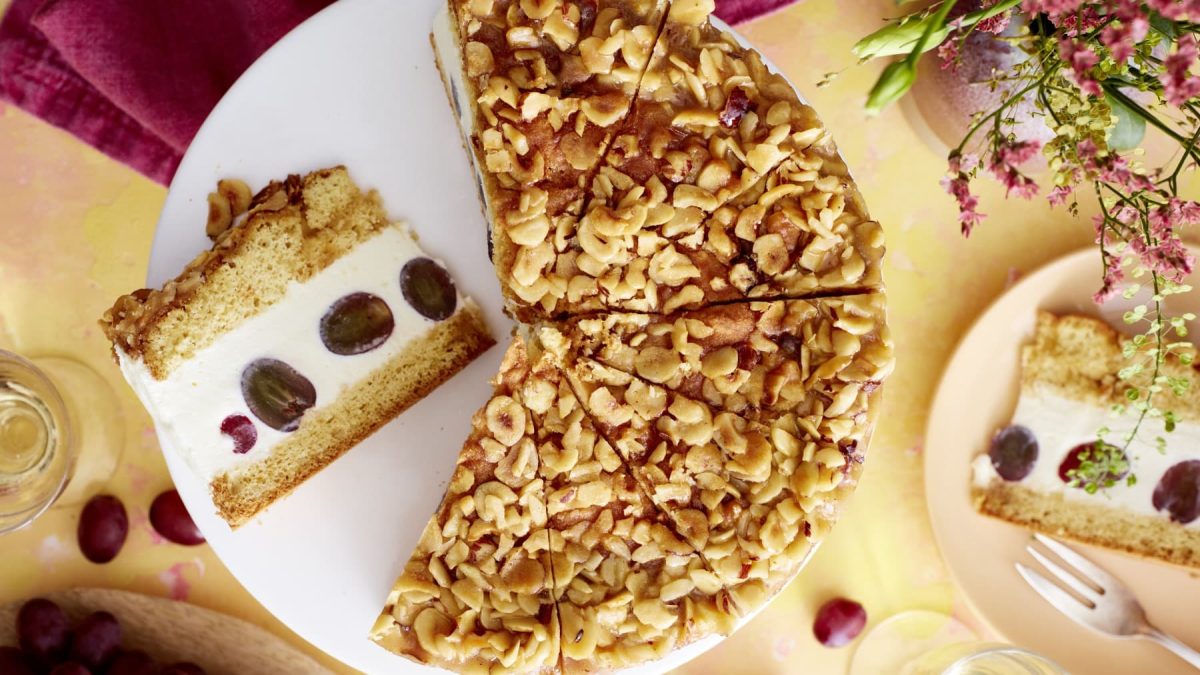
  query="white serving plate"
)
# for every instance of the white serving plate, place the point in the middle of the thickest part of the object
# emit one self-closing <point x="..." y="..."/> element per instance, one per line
<point x="356" y="85"/>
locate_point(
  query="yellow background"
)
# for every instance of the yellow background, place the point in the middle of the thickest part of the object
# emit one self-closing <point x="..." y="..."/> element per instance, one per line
<point x="76" y="228"/>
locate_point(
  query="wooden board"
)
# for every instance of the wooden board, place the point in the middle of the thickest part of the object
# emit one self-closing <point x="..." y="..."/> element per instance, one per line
<point x="172" y="631"/>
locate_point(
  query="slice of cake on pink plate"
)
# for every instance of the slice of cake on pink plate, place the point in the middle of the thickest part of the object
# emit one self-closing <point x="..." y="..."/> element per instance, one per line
<point x="308" y="325"/>
<point x="1146" y="502"/>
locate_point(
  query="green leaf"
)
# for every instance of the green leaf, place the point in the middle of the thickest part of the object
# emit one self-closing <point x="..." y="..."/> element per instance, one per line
<point x="1130" y="128"/>
<point x="894" y="82"/>
<point x="1163" y="26"/>
<point x="899" y="38"/>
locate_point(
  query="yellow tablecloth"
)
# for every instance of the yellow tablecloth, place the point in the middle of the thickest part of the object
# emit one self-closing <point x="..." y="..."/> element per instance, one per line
<point x="76" y="228"/>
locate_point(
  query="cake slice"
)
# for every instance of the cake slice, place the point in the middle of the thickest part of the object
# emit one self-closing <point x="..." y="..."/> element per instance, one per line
<point x="752" y="499"/>
<point x="628" y="588"/>
<point x="539" y="87"/>
<point x="1069" y="391"/>
<point x="476" y="596"/>
<point x="822" y="359"/>
<point x="305" y="328"/>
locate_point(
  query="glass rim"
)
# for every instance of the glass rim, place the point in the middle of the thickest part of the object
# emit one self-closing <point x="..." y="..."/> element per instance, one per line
<point x="16" y="520"/>
<point x="1003" y="649"/>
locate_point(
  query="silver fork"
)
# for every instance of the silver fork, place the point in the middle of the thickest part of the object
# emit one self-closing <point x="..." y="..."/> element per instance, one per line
<point x="1107" y="607"/>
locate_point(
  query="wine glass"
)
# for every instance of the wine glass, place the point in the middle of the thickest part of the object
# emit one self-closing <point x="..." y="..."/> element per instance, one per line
<point x="60" y="435"/>
<point x="922" y="642"/>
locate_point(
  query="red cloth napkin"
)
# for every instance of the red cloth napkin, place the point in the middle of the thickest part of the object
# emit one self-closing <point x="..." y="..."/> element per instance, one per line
<point x="136" y="78"/>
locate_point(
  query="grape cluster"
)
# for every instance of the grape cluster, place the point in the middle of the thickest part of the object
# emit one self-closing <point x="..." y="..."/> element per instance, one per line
<point x="47" y="645"/>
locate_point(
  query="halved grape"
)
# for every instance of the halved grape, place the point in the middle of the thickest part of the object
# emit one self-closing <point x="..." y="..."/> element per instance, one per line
<point x="103" y="526"/>
<point x="14" y="662"/>
<point x="97" y="640"/>
<point x="1013" y="453"/>
<point x="134" y="662"/>
<point x="357" y="323"/>
<point x="43" y="630"/>
<point x="838" y="622"/>
<point x="1074" y="460"/>
<point x="243" y="432"/>
<point x="171" y="519"/>
<point x="277" y="394"/>
<point x="429" y="289"/>
<point x="1178" y="492"/>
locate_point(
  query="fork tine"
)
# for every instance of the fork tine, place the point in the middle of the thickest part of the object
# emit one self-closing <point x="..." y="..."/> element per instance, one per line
<point x="1087" y="568"/>
<point x="1073" y="582"/>
<point x="1057" y="597"/>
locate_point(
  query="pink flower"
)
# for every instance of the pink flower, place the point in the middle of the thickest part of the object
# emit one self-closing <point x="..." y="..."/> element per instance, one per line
<point x="1176" y="10"/>
<point x="1179" y="84"/>
<point x="994" y="24"/>
<point x="1058" y="196"/>
<point x="1110" y="168"/>
<point x="1168" y="257"/>
<point x="1078" y="22"/>
<point x="1054" y="8"/>
<point x="1130" y="28"/>
<point x="948" y="53"/>
<point x="1113" y="276"/>
<point x="1082" y="60"/>
<point x="1005" y="160"/>
<point x="958" y="184"/>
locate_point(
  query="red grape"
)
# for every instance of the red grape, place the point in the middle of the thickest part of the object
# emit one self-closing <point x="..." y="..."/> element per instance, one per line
<point x="171" y="519"/>
<point x="182" y="668"/>
<point x="70" y="668"/>
<point x="1014" y="451"/>
<point x="1074" y="460"/>
<point x="43" y="630"/>
<point x="14" y="662"/>
<point x="1178" y="492"/>
<point x="103" y="526"/>
<point x="427" y="286"/>
<point x="277" y="393"/>
<point x="356" y="324"/>
<point x="241" y="429"/>
<point x="838" y="622"/>
<point x="97" y="640"/>
<point x="135" y="662"/>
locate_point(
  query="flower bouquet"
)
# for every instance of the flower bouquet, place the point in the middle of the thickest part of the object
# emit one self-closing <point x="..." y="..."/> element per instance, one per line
<point x="1099" y="74"/>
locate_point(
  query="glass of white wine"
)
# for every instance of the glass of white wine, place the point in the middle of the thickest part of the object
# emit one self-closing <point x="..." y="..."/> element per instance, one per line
<point x="59" y="427"/>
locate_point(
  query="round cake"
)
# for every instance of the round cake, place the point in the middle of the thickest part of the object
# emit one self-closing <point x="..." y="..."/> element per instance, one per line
<point x="701" y="350"/>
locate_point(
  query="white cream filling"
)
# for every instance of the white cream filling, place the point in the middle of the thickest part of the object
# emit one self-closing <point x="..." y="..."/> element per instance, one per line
<point x="1060" y="424"/>
<point x="190" y="404"/>
<point x="449" y="54"/>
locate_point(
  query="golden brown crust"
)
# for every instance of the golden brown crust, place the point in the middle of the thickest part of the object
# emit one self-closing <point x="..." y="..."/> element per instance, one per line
<point x="1120" y="530"/>
<point x="751" y="498"/>
<point x="719" y="186"/>
<point x="1079" y="357"/>
<point x="819" y="358"/>
<point x="477" y="593"/>
<point x="547" y="82"/>
<point x="326" y="433"/>
<point x="295" y="229"/>
<point x="648" y="592"/>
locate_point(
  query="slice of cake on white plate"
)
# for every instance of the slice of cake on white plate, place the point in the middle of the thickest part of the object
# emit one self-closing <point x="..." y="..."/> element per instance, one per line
<point x="309" y="325"/>
<point x="1031" y="473"/>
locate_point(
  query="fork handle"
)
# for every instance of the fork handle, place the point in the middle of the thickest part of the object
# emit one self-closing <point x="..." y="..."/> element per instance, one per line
<point x="1178" y="648"/>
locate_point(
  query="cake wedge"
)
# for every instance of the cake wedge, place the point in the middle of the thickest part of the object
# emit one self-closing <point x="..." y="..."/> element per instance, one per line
<point x="539" y="87"/>
<point x="1140" y="499"/>
<point x="307" y="326"/>
<point x="477" y="593"/>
